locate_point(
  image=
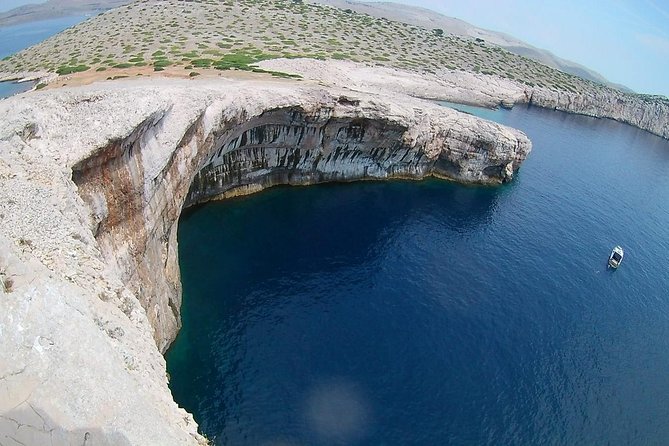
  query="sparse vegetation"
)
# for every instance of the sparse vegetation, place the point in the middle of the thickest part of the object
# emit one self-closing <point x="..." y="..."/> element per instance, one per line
<point x="227" y="34"/>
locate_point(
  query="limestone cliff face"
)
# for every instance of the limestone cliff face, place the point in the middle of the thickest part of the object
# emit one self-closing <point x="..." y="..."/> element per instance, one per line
<point x="344" y="141"/>
<point x="645" y="112"/>
<point x="651" y="114"/>
<point x="323" y="138"/>
<point x="93" y="181"/>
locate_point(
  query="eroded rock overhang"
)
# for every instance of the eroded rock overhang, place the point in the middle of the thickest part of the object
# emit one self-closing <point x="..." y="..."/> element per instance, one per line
<point x="136" y="195"/>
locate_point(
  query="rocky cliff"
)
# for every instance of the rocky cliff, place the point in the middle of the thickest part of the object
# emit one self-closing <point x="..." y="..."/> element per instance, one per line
<point x="650" y="113"/>
<point x="93" y="182"/>
<point x="645" y="112"/>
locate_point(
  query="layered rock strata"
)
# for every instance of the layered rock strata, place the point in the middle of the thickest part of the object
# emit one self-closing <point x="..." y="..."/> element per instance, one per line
<point x="93" y="181"/>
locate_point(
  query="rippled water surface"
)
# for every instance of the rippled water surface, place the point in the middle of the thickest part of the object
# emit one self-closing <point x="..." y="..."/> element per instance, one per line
<point x="428" y="313"/>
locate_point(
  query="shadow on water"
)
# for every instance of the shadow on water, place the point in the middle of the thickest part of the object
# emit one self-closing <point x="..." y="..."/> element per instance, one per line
<point x="296" y="248"/>
<point x="334" y="209"/>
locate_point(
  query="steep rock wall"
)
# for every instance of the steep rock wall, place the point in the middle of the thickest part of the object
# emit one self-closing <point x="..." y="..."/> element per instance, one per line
<point x="134" y="215"/>
<point x="289" y="146"/>
<point x="645" y="112"/>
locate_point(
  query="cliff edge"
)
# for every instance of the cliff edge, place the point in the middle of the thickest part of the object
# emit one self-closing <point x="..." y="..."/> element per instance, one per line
<point x="650" y="113"/>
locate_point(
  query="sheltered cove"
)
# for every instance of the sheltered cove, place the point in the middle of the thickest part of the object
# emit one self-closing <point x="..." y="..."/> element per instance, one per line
<point x="336" y="138"/>
<point x="93" y="182"/>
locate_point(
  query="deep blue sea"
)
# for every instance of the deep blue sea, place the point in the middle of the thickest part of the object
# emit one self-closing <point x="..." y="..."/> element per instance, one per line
<point x="430" y="313"/>
<point x="17" y="37"/>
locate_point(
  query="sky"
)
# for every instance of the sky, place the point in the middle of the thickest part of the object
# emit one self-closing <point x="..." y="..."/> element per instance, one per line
<point x="627" y="41"/>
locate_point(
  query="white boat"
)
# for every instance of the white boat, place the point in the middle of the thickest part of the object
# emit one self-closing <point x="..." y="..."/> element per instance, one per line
<point x="616" y="257"/>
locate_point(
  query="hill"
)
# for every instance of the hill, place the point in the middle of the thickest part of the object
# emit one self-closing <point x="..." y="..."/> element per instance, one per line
<point x="228" y="34"/>
<point x="412" y="15"/>
<point x="430" y="19"/>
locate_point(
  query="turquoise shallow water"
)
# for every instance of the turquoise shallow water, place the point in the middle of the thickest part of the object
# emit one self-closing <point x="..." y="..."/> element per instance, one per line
<point x="18" y="37"/>
<point x="428" y="313"/>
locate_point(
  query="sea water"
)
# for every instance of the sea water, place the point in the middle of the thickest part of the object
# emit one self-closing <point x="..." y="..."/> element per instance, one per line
<point x="430" y="313"/>
<point x="17" y="37"/>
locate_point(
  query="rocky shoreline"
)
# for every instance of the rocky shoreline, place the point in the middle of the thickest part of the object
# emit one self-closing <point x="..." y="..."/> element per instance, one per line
<point x="650" y="113"/>
<point x="93" y="182"/>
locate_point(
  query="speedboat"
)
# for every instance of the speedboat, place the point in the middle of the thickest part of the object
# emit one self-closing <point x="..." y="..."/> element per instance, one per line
<point x="616" y="257"/>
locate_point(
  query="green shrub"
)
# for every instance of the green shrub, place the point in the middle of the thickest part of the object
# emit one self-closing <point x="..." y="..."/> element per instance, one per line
<point x="161" y="63"/>
<point x="201" y="63"/>
<point x="68" y="69"/>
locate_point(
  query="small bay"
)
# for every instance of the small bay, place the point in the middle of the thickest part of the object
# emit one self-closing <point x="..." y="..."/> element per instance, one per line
<point x="430" y="313"/>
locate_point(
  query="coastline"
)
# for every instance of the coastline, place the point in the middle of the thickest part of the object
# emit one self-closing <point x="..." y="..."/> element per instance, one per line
<point x="97" y="167"/>
<point x="478" y="90"/>
<point x="649" y="114"/>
